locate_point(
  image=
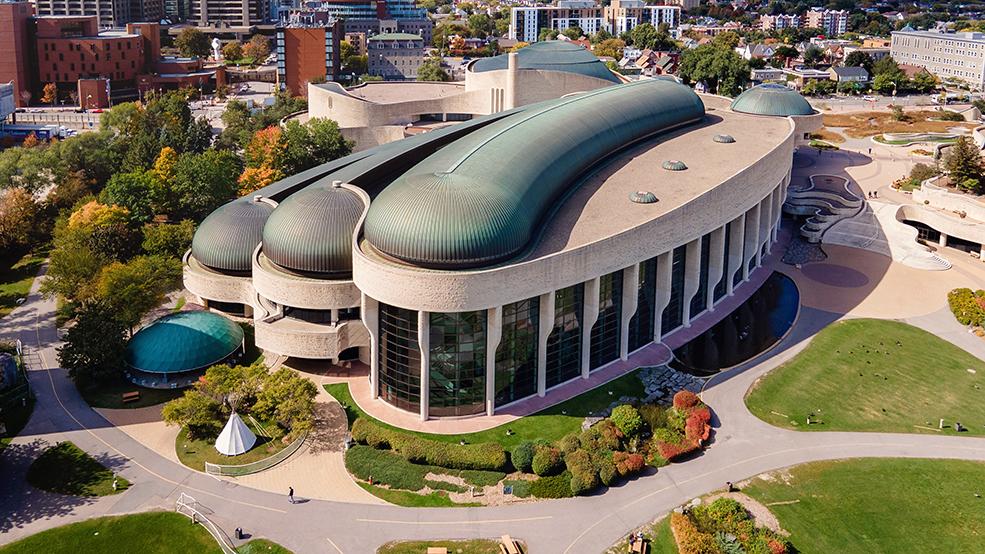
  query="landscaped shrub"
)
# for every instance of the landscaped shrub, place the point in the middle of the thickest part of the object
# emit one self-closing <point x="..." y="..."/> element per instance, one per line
<point x="697" y="429"/>
<point x="554" y="486"/>
<point x="627" y="419"/>
<point x="386" y="467"/>
<point x="685" y="400"/>
<point x="569" y="443"/>
<point x="485" y="456"/>
<point x="724" y="514"/>
<point x="547" y="461"/>
<point x="602" y="436"/>
<point x="607" y="472"/>
<point x="628" y="464"/>
<point x="689" y="539"/>
<point x="522" y="456"/>
<point x="584" y="476"/>
<point x="967" y="306"/>
<point x="656" y="460"/>
<point x="654" y="416"/>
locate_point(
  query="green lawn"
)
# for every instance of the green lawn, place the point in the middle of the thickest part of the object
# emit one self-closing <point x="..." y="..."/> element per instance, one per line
<point x="476" y="546"/>
<point x="413" y="500"/>
<point x="16" y="276"/>
<point x="67" y="469"/>
<point x="194" y="453"/>
<point x="391" y="469"/>
<point x="878" y="505"/>
<point x="855" y="377"/>
<point x="109" y="394"/>
<point x="15" y="419"/>
<point x="550" y="424"/>
<point x="149" y="533"/>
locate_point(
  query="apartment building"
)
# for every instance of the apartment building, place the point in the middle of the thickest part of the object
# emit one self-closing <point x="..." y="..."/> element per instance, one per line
<point x="957" y="56"/>
<point x="779" y="22"/>
<point x="306" y="53"/>
<point x="832" y="22"/>
<point x="395" y="56"/>
<point x="620" y="16"/>
<point x="108" y="13"/>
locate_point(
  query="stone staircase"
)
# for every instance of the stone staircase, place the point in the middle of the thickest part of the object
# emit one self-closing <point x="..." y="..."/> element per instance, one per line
<point x="826" y="200"/>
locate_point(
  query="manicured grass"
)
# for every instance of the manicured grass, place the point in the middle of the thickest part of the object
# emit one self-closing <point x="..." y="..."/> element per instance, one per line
<point x="109" y="395"/>
<point x="148" y="533"/>
<point x="549" y="424"/>
<point x="659" y="535"/>
<point x="878" y="505"/>
<point x="67" y="469"/>
<point x="854" y="377"/>
<point x="476" y="546"/>
<point x="194" y="453"/>
<point x="413" y="500"/>
<point x="16" y="276"/>
<point x="15" y="418"/>
<point x="390" y="469"/>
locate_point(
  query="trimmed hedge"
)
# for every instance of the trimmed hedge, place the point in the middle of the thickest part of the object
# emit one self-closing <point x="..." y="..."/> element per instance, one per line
<point x="484" y="456"/>
<point x="391" y="469"/>
<point x="522" y="456"/>
<point x="584" y="476"/>
<point x="685" y="400"/>
<point x="547" y="461"/>
<point x="627" y="419"/>
<point x="554" y="486"/>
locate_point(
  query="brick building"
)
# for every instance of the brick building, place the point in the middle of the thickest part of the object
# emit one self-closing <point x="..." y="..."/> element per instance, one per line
<point x="306" y="53"/>
<point x="395" y="56"/>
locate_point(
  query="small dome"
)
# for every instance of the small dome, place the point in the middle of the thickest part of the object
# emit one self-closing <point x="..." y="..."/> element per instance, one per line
<point x="643" y="197"/>
<point x="771" y="99"/>
<point x="227" y="237"/>
<point x="723" y="139"/>
<point x="674" y="165"/>
<point x="311" y="230"/>
<point x="184" y="341"/>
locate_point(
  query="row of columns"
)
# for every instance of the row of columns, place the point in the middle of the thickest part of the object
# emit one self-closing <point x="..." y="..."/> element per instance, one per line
<point x="748" y="235"/>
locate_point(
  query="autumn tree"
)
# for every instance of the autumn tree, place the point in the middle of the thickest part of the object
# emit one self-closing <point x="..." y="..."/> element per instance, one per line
<point x="232" y="51"/>
<point x="258" y="48"/>
<point x="18" y="213"/>
<point x="191" y="43"/>
<point x="612" y="48"/>
<point x="49" y="94"/>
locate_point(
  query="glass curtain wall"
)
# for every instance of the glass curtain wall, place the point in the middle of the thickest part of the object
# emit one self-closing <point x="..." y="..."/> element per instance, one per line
<point x="564" y="342"/>
<point x="641" y="324"/>
<point x="606" y="331"/>
<point x="516" y="355"/>
<point x="457" y="356"/>
<point x="698" y="301"/>
<point x="673" y="314"/>
<point x="400" y="358"/>
<point x="721" y="286"/>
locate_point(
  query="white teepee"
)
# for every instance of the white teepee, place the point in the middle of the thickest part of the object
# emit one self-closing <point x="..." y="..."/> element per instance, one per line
<point x="235" y="438"/>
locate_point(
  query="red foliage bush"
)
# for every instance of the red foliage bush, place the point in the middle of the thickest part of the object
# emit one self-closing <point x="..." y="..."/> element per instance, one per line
<point x="777" y="547"/>
<point x="685" y="400"/>
<point x="697" y="428"/>
<point x="671" y="451"/>
<point x="628" y="464"/>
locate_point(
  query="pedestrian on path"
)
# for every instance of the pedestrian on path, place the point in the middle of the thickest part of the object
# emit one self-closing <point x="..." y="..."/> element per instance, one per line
<point x="290" y="494"/>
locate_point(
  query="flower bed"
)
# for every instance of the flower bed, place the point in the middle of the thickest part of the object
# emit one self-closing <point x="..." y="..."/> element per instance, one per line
<point x="968" y="306"/>
<point x="723" y="526"/>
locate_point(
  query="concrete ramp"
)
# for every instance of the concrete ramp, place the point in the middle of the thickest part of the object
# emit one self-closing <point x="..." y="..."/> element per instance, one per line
<point x="877" y="229"/>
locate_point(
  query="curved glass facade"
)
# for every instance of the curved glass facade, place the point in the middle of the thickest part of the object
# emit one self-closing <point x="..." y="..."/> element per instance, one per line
<point x="641" y="324"/>
<point x="722" y="284"/>
<point x="457" y="363"/>
<point x="400" y="358"/>
<point x="700" y="298"/>
<point x="516" y="355"/>
<point x="673" y="314"/>
<point x="564" y="342"/>
<point x="607" y="328"/>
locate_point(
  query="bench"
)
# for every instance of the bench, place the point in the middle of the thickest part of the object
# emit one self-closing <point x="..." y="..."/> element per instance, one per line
<point x="437" y="550"/>
<point x="510" y="545"/>
<point x="131" y="396"/>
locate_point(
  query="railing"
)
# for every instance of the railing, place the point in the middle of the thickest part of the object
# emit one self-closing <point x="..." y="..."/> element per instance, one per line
<point x="189" y="506"/>
<point x="258" y="466"/>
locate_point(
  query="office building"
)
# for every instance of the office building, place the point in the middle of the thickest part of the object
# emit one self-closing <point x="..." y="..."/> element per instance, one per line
<point x="307" y="53"/>
<point x="618" y="17"/>
<point x="949" y="56"/>
<point x="395" y="56"/>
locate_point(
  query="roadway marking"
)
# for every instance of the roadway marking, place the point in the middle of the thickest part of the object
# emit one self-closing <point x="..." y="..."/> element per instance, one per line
<point x="331" y="542"/>
<point x="467" y="522"/>
<point x="54" y="391"/>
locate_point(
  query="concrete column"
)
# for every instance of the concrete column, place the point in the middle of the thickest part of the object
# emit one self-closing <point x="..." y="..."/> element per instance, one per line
<point x="591" y="315"/>
<point x="751" y="240"/>
<point x="512" y="71"/>
<point x="943" y="240"/>
<point x="716" y="265"/>
<point x="664" y="279"/>
<point x="334" y="315"/>
<point x="369" y="312"/>
<point x="765" y="215"/>
<point x="424" y="343"/>
<point x="545" y="322"/>
<point x="778" y="212"/>
<point x="692" y="276"/>
<point x="494" y="333"/>
<point x="630" y="303"/>
<point x="736" y="240"/>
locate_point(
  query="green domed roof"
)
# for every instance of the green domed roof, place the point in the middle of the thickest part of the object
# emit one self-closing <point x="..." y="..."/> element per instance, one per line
<point x="483" y="198"/>
<point x="551" y="55"/>
<point x="227" y="237"/>
<point x="184" y="341"/>
<point x="312" y="229"/>
<point x="772" y="99"/>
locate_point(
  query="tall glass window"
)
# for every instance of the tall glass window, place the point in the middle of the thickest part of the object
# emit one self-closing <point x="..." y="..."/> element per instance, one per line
<point x="516" y="355"/>
<point x="564" y="342"/>
<point x="641" y="324"/>
<point x="400" y="358"/>
<point x="457" y="363"/>
<point x="699" y="300"/>
<point x="606" y="331"/>
<point x="673" y="314"/>
<point x="721" y="286"/>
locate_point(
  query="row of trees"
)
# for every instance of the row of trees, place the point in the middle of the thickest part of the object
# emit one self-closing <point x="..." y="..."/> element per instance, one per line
<point x="276" y="152"/>
<point x="192" y="42"/>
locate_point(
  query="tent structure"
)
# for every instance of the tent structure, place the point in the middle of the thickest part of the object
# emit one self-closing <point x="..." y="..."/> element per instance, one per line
<point x="235" y="438"/>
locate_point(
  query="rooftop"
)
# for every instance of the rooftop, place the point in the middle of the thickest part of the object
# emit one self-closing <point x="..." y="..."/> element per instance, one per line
<point x="184" y="341"/>
<point x="393" y="92"/>
<point x="552" y="55"/>
<point x="396" y="36"/>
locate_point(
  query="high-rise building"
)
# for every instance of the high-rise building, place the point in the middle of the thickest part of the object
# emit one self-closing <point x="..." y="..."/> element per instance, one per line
<point x="307" y="51"/>
<point x="229" y="12"/>
<point x="108" y="13"/>
<point x="618" y="17"/>
<point x="375" y="16"/>
<point x="15" y="41"/>
<point x="957" y="56"/>
<point x="832" y="22"/>
<point x="778" y="22"/>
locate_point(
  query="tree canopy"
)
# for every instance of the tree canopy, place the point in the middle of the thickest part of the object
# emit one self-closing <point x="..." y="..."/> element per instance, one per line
<point x="721" y="69"/>
<point x="191" y="42"/>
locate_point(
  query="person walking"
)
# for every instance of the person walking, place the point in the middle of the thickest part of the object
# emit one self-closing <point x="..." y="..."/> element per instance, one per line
<point x="290" y="494"/>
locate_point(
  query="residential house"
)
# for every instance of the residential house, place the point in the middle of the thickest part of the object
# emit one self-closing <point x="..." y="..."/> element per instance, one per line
<point x="844" y="74"/>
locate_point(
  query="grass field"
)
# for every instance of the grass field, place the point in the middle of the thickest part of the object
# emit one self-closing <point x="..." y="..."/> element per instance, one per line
<point x="550" y="424"/>
<point x="194" y="453"/>
<point x="477" y="546"/>
<point x="855" y="377"/>
<point x="109" y="394"/>
<point x="15" y="420"/>
<point x="66" y="469"/>
<point x="149" y="533"/>
<point x="878" y="505"/>
<point x="16" y="276"/>
<point x="860" y="125"/>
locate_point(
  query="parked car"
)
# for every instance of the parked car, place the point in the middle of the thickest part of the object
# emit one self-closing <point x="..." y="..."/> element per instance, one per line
<point x="869" y="98"/>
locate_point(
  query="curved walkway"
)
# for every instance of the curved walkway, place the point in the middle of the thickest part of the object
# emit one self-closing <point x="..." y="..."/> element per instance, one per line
<point x="743" y="447"/>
